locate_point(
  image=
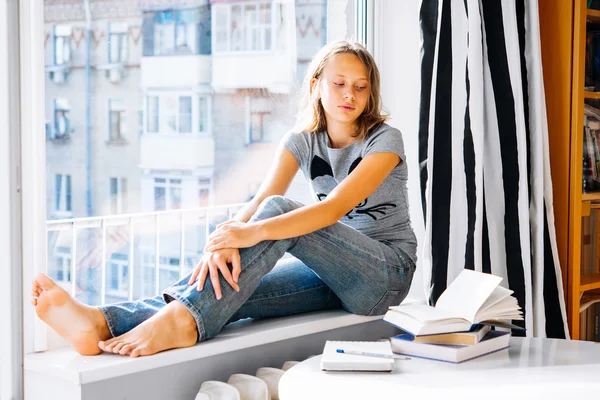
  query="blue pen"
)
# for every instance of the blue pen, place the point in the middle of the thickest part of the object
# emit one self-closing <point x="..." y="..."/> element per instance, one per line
<point x="364" y="353"/>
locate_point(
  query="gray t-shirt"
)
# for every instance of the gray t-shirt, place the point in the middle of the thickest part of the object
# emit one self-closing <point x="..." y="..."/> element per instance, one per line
<point x="384" y="215"/>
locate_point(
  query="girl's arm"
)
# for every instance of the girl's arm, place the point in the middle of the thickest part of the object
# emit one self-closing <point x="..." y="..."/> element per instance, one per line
<point x="278" y="180"/>
<point x="357" y="186"/>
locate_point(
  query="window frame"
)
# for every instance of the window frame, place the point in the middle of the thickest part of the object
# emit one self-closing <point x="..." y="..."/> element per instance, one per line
<point x="168" y="186"/>
<point x="18" y="317"/>
<point x="122" y="289"/>
<point x="24" y="23"/>
<point x="120" y="195"/>
<point x="65" y="264"/>
<point x="122" y="136"/>
<point x="64" y="36"/>
<point x="118" y="31"/>
<point x="61" y="105"/>
<point x="161" y="96"/>
<point x="63" y="196"/>
<point x="192" y="45"/>
<point x="227" y="8"/>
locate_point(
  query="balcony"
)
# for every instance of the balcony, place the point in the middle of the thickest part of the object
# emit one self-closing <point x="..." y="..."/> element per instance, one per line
<point x="177" y="151"/>
<point x="175" y="71"/>
<point x="274" y="71"/>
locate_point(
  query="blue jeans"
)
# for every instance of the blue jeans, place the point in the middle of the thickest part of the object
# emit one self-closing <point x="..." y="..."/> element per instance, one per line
<point x="334" y="267"/>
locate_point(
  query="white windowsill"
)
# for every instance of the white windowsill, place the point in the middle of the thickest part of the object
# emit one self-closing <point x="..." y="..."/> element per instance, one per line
<point x="67" y="364"/>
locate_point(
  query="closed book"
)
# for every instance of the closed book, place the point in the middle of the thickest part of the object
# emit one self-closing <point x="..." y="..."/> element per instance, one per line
<point x="463" y="338"/>
<point x="331" y="360"/>
<point x="492" y="342"/>
<point x="472" y="298"/>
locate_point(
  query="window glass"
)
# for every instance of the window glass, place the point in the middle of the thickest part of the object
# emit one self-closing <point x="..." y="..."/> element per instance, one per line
<point x="182" y="108"/>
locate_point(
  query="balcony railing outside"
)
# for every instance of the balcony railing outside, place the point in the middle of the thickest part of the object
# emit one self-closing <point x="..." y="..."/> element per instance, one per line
<point x="127" y="223"/>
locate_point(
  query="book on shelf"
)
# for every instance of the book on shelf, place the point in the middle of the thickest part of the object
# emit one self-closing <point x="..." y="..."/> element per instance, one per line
<point x="492" y="342"/>
<point x="471" y="337"/>
<point x="472" y="298"/>
<point x="331" y="360"/>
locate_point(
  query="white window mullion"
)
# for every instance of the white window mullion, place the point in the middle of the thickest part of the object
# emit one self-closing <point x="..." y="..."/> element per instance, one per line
<point x="195" y="113"/>
<point x="229" y="27"/>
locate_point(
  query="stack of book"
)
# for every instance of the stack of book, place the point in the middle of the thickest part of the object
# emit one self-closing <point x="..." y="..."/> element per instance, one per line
<point x="459" y="327"/>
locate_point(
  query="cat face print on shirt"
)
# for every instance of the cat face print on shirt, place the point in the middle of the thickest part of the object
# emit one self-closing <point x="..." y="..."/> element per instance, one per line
<point x="321" y="175"/>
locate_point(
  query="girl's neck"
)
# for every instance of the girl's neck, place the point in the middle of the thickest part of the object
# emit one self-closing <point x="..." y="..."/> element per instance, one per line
<point x="341" y="135"/>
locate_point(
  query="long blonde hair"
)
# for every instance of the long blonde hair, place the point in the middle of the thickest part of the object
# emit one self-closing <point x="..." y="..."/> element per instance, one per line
<point x="311" y="116"/>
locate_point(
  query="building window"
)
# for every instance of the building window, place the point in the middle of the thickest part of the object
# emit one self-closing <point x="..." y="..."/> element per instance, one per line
<point x="257" y="126"/>
<point x="62" y="122"/>
<point x="177" y="114"/>
<point x="204" y="185"/>
<point x="117" y="43"/>
<point x="117" y="120"/>
<point x="62" y="263"/>
<point x="203" y="114"/>
<point x="243" y="27"/>
<point x="118" y="273"/>
<point x="118" y="195"/>
<point x="63" y="193"/>
<point x="175" y="32"/>
<point x="153" y="110"/>
<point x="185" y="114"/>
<point x="168" y="273"/>
<point x="62" y="44"/>
<point x="167" y="194"/>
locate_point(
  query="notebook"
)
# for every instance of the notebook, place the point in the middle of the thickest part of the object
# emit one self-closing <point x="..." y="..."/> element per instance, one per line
<point x="334" y="361"/>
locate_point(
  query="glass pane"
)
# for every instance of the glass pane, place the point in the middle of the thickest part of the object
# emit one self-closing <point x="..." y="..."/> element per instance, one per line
<point x="168" y="114"/>
<point x="160" y="201"/>
<point x="237" y="29"/>
<point x="88" y="263"/>
<point x="242" y="103"/>
<point x="114" y="42"/>
<point x="185" y="114"/>
<point x="153" y="114"/>
<point x="175" y="199"/>
<point x="222" y="30"/>
<point x="265" y="13"/>
<point x="170" y="249"/>
<point x="68" y="193"/>
<point x="114" y="276"/>
<point x="58" y="189"/>
<point x="202" y="114"/>
<point x="195" y="238"/>
<point x="59" y="257"/>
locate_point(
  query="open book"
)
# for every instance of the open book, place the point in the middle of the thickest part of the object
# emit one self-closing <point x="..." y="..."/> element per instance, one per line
<point x="472" y="298"/>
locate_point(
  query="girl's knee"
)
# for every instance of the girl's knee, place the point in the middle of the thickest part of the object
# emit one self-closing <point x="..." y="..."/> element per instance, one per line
<point x="273" y="206"/>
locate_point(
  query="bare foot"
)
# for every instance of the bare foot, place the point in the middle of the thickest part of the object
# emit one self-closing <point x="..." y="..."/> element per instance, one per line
<point x="171" y="328"/>
<point x="81" y="325"/>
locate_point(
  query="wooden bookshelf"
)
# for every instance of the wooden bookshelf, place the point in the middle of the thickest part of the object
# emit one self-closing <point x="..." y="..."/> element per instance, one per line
<point x="590" y="196"/>
<point x="589" y="282"/>
<point x="563" y="25"/>
<point x="593" y="16"/>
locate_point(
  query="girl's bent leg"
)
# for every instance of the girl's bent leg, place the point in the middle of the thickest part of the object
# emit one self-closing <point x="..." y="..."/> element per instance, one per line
<point x="365" y="274"/>
<point x="123" y="317"/>
<point x="290" y="288"/>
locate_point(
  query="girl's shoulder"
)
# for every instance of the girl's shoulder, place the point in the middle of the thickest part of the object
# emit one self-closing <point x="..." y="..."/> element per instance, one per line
<point x="383" y="131"/>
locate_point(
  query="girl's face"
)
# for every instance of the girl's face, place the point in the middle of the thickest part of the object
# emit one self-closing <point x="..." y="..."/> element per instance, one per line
<point x="343" y="88"/>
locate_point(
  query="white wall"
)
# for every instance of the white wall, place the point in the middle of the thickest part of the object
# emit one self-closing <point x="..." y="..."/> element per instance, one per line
<point x="397" y="52"/>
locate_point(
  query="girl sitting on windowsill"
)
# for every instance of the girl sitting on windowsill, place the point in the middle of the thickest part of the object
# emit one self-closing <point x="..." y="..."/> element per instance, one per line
<point x="354" y="248"/>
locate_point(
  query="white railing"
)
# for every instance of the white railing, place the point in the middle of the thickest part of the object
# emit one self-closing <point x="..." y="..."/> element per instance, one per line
<point x="129" y="221"/>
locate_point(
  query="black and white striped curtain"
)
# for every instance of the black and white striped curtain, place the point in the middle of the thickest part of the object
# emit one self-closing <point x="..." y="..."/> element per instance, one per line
<point x="483" y="152"/>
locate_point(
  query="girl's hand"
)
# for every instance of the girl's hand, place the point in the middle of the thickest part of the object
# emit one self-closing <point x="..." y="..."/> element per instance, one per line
<point x="213" y="262"/>
<point x="233" y="234"/>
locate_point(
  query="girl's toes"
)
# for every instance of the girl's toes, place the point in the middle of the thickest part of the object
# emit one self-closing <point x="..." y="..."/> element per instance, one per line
<point x="117" y="348"/>
<point x="126" y="349"/>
